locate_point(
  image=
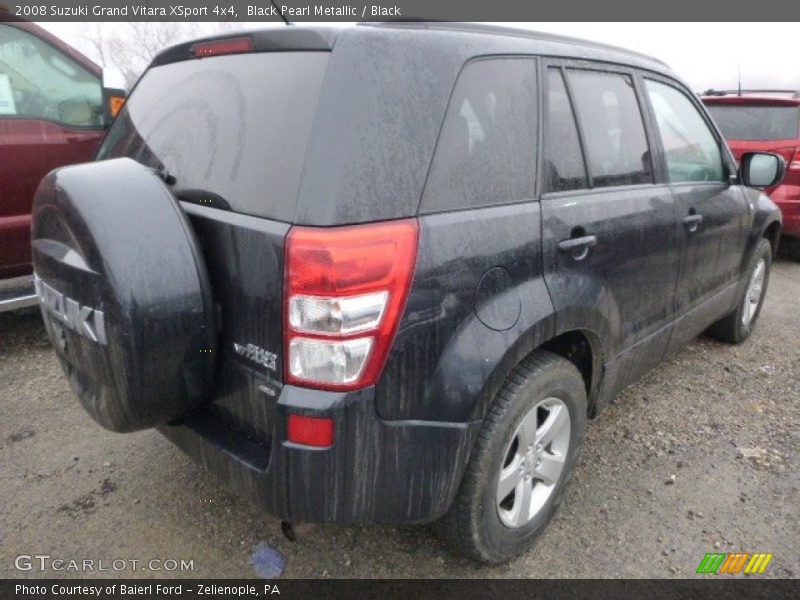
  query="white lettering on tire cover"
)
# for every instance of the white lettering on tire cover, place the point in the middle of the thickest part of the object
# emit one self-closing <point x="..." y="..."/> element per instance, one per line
<point x="83" y="320"/>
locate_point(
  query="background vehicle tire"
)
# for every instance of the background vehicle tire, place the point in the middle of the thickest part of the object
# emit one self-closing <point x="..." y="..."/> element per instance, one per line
<point x="737" y="326"/>
<point x="537" y="419"/>
<point x="790" y="248"/>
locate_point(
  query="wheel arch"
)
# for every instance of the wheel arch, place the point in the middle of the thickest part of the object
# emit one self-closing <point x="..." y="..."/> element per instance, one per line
<point x="582" y="347"/>
<point x="772" y="232"/>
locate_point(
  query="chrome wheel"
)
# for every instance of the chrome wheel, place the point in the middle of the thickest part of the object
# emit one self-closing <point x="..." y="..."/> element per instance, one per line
<point x="752" y="297"/>
<point x="533" y="462"/>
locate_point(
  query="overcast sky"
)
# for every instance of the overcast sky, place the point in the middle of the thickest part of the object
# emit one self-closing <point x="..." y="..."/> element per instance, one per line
<point x="704" y="54"/>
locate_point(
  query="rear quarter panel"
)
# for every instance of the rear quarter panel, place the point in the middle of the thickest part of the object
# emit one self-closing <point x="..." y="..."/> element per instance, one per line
<point x="478" y="305"/>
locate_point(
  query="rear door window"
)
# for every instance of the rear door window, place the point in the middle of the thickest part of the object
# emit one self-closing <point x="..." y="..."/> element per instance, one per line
<point x="613" y="128"/>
<point x="756" y="123"/>
<point x="692" y="151"/>
<point x="486" y="154"/>
<point x="232" y="130"/>
<point x="563" y="164"/>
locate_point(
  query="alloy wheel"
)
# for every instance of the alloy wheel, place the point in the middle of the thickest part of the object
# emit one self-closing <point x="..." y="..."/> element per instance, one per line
<point x="533" y="462"/>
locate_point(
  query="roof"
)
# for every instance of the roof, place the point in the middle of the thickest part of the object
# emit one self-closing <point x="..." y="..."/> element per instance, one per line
<point x="495" y="30"/>
<point x="495" y="40"/>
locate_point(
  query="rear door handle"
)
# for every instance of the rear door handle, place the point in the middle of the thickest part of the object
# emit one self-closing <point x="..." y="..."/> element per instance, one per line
<point x="579" y="246"/>
<point x="692" y="221"/>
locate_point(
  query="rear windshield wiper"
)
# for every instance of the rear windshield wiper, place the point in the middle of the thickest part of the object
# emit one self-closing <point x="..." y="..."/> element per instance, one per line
<point x="195" y="196"/>
<point x="164" y="175"/>
<point x="203" y="198"/>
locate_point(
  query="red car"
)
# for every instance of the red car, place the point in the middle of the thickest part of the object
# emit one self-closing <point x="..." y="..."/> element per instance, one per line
<point x="52" y="113"/>
<point x="766" y="121"/>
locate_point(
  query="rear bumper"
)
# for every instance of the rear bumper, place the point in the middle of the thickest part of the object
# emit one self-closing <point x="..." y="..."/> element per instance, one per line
<point x="787" y="197"/>
<point x="376" y="471"/>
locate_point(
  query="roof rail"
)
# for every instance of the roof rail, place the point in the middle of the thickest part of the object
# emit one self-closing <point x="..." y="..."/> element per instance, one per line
<point x="480" y="28"/>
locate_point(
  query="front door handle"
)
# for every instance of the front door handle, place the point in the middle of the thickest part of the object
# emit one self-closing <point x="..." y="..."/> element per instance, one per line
<point x="578" y="246"/>
<point x="692" y="222"/>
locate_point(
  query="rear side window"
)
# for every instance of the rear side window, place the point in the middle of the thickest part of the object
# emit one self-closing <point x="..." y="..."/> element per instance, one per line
<point x="232" y="130"/>
<point x="614" y="134"/>
<point x="486" y="150"/>
<point x="691" y="149"/>
<point x="757" y="123"/>
<point x="563" y="164"/>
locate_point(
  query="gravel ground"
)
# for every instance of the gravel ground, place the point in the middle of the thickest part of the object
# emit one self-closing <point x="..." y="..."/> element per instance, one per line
<point x="700" y="456"/>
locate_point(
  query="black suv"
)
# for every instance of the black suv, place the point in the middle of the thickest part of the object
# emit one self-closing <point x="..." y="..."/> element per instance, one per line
<point x="386" y="273"/>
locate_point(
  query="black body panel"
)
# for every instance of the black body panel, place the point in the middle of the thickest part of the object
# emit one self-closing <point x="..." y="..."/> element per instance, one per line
<point x="477" y="306"/>
<point x="376" y="471"/>
<point x="245" y="265"/>
<point x="623" y="291"/>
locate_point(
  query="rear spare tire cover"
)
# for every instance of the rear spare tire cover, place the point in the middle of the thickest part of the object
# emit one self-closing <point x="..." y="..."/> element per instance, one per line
<point x="124" y="293"/>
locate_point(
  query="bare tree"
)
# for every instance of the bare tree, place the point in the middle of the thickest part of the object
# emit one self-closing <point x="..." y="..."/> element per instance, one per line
<point x="129" y="47"/>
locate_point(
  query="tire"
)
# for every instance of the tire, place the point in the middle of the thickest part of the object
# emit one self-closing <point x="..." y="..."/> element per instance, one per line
<point x="478" y="525"/>
<point x="738" y="325"/>
<point x="124" y="293"/>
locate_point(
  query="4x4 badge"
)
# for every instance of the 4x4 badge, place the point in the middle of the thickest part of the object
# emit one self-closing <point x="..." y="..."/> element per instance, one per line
<point x="257" y="355"/>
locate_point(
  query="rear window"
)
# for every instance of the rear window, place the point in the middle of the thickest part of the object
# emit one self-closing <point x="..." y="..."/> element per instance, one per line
<point x="486" y="154"/>
<point x="232" y="130"/>
<point x="757" y="123"/>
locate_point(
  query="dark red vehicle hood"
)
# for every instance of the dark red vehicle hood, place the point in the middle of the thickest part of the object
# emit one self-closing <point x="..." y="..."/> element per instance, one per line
<point x="783" y="147"/>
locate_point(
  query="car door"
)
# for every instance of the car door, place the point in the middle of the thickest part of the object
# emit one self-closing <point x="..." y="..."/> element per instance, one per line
<point x="611" y="237"/>
<point x="50" y="115"/>
<point x="714" y="213"/>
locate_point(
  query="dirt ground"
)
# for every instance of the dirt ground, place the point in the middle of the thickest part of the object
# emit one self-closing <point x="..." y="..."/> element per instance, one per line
<point x="701" y="456"/>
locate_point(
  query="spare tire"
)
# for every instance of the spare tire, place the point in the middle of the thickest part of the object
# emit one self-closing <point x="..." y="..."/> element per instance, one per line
<point x="124" y="293"/>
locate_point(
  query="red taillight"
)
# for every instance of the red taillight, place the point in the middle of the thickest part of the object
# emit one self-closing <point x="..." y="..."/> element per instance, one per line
<point x="343" y="298"/>
<point x="217" y="47"/>
<point x="310" y="431"/>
